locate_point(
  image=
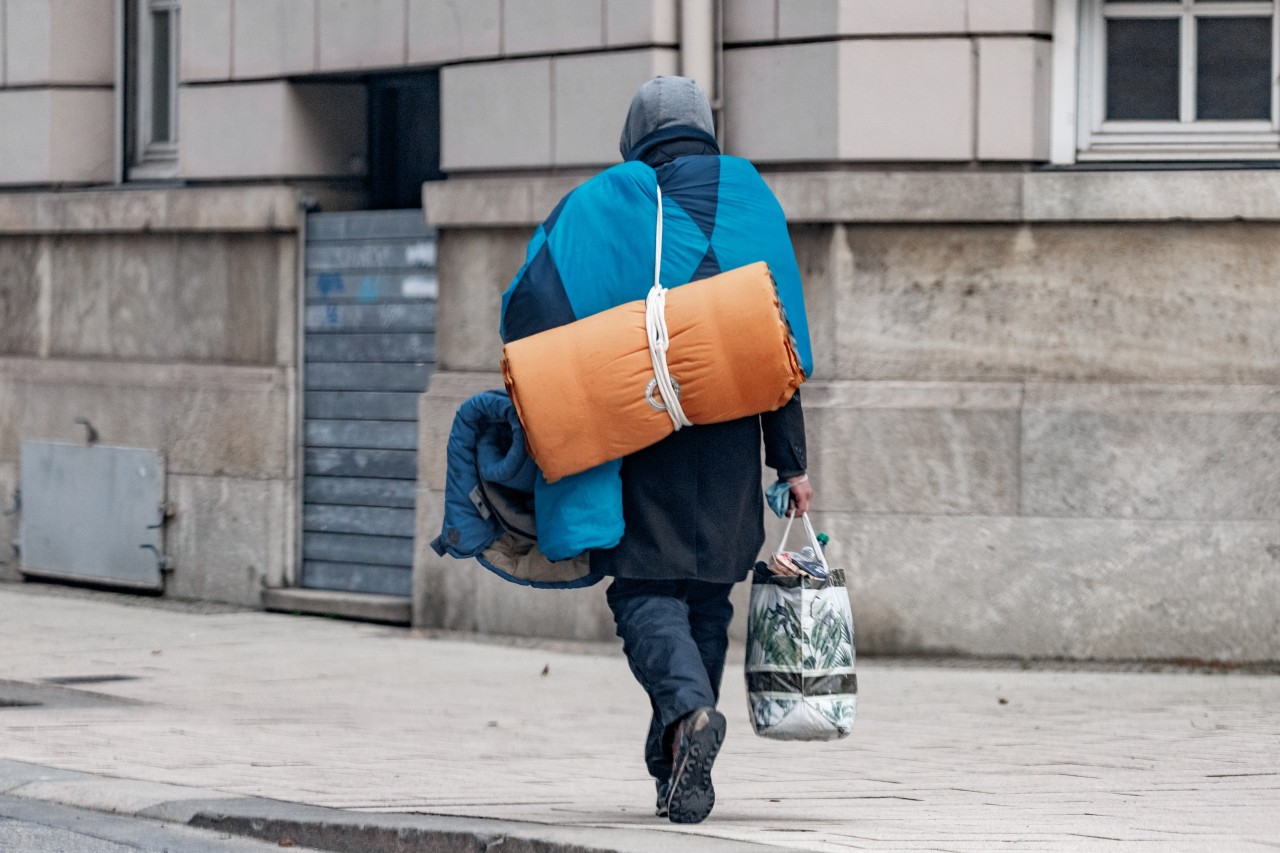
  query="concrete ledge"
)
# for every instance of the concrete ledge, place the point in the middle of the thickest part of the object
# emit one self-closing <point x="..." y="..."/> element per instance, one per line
<point x="391" y="609"/>
<point x="1245" y="194"/>
<point x="42" y="371"/>
<point x="1149" y="397"/>
<point x="336" y="829"/>
<point x="898" y="196"/>
<point x="982" y="396"/>
<point x="253" y="209"/>
<point x="490" y="202"/>
<point x="944" y="196"/>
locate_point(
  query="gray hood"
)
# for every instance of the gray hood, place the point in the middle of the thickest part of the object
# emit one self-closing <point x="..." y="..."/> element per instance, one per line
<point x="666" y="102"/>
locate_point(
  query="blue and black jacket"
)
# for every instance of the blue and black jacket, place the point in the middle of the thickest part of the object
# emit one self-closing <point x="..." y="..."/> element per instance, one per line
<point x="692" y="503"/>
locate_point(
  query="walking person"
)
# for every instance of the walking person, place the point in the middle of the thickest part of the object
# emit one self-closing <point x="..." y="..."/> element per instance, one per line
<point x="692" y="503"/>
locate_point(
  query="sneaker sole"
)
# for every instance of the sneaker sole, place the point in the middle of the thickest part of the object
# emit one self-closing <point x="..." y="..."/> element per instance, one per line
<point x="692" y="796"/>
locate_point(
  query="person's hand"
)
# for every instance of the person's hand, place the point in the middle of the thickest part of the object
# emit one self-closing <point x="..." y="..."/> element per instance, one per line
<point x="801" y="494"/>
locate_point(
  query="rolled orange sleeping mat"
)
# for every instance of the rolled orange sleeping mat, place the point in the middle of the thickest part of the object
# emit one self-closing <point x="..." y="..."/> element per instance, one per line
<point x="580" y="389"/>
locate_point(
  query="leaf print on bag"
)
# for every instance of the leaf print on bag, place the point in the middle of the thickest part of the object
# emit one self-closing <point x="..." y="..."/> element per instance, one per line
<point x="830" y="640"/>
<point x="775" y="634"/>
<point x="839" y="712"/>
<point x="768" y="712"/>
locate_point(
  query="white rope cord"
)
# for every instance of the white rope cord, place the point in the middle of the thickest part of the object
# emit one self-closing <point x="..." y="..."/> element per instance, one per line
<point x="655" y="324"/>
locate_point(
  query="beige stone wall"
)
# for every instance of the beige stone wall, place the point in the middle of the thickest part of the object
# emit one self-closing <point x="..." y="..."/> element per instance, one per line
<point x="272" y="129"/>
<point x="1045" y="419"/>
<point x="57" y="101"/>
<point x="529" y="84"/>
<point x="167" y="319"/>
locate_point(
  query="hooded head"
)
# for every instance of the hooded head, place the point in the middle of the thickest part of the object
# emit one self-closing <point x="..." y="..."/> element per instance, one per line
<point x="666" y="104"/>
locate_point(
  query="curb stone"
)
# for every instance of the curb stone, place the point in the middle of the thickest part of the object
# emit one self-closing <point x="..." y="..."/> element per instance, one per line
<point x="295" y="824"/>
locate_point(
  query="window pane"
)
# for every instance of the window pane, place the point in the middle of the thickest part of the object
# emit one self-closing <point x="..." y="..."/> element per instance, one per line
<point x="1233" y="68"/>
<point x="161" y="77"/>
<point x="1142" y="69"/>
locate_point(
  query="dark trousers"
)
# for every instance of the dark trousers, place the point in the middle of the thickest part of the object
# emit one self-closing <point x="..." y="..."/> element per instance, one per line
<point x="675" y="634"/>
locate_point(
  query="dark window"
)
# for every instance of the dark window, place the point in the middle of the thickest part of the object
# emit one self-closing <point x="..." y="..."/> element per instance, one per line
<point x="1142" y="69"/>
<point x="404" y="139"/>
<point x="1233" y="68"/>
<point x="161" y="76"/>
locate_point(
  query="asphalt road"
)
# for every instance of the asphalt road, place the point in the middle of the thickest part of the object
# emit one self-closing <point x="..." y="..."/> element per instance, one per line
<point x="30" y="826"/>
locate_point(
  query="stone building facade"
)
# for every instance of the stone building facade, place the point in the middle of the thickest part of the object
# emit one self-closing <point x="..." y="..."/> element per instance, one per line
<point x="1037" y="239"/>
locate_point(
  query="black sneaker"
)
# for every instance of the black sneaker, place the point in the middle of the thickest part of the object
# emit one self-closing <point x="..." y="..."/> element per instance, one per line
<point x="698" y="738"/>
<point x="664" y="791"/>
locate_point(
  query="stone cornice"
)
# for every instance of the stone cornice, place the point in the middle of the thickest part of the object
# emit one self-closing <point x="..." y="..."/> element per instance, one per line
<point x="252" y="209"/>
<point x="924" y="197"/>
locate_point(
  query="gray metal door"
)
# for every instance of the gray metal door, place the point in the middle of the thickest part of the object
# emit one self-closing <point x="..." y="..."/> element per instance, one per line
<point x="93" y="513"/>
<point x="370" y="348"/>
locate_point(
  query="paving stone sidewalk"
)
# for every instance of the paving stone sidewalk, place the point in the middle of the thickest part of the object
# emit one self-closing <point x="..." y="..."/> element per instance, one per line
<point x="378" y="719"/>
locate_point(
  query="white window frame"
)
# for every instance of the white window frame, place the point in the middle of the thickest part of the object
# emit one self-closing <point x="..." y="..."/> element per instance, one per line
<point x="154" y="158"/>
<point x="1081" y="131"/>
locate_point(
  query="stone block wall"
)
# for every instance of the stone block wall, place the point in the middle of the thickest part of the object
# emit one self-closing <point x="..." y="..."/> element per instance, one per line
<point x="273" y="90"/>
<point x="1044" y="421"/>
<point x="168" y="320"/>
<point x="57" y="100"/>
<point x="884" y="81"/>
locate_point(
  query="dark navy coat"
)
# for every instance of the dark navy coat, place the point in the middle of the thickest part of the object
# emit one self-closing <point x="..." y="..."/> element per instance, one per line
<point x="692" y="503"/>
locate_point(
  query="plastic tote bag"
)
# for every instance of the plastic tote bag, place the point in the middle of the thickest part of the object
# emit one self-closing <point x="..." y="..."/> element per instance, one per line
<point x="800" y="658"/>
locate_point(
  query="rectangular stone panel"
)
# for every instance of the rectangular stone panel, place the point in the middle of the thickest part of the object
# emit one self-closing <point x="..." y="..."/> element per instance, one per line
<point x="750" y="20"/>
<point x="551" y="26"/>
<point x="514" y="129"/>
<point x="489" y="202"/>
<point x="1172" y="452"/>
<point x="475" y="267"/>
<point x="441" y="32"/>
<point x="261" y="209"/>
<point x="1075" y="588"/>
<point x="61" y="42"/>
<point x="823" y="18"/>
<point x="361" y="34"/>
<point x="273" y="37"/>
<point x="1142" y="302"/>
<point x="592" y="95"/>
<point x="189" y="298"/>
<point x="779" y="126"/>
<point x="1013" y="99"/>
<point x="272" y="129"/>
<point x="229" y="538"/>
<point x="641" y="22"/>
<point x="879" y="76"/>
<point x="22" y="283"/>
<point x="1010" y="16"/>
<point x="898" y="196"/>
<point x="215" y="421"/>
<point x="56" y="136"/>
<point x="206" y="39"/>
<point x="913" y="450"/>
<point x="1155" y="195"/>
